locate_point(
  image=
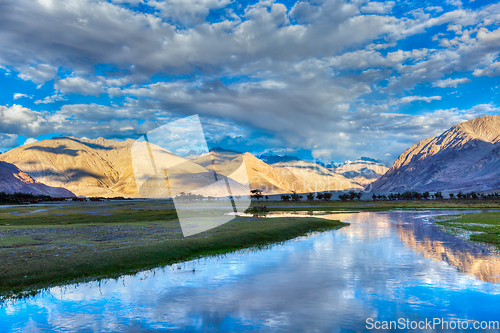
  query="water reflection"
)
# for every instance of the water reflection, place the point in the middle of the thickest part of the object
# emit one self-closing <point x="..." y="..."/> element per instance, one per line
<point x="377" y="267"/>
<point x="475" y="259"/>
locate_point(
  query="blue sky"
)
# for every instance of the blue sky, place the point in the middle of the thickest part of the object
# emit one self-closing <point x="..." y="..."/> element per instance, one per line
<point x="330" y="80"/>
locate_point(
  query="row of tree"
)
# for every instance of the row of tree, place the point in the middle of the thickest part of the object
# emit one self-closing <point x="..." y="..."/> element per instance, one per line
<point x="408" y="195"/>
<point x="413" y="195"/>
<point x="352" y="195"/>
<point x="24" y="198"/>
<point x="474" y="195"/>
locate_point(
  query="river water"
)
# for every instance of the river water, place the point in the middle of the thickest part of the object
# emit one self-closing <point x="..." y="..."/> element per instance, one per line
<point x="385" y="266"/>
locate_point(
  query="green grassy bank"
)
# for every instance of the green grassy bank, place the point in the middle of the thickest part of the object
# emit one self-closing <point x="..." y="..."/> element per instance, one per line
<point x="43" y="246"/>
<point x="481" y="227"/>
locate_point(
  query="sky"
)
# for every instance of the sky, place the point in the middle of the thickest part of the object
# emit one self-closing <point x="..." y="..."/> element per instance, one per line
<point x="328" y="79"/>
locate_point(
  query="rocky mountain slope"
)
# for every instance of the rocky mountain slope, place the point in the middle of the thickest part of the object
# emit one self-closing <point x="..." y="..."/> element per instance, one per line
<point x="464" y="158"/>
<point x="13" y="180"/>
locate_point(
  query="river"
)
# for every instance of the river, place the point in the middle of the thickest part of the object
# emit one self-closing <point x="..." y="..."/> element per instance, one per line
<point x="384" y="266"/>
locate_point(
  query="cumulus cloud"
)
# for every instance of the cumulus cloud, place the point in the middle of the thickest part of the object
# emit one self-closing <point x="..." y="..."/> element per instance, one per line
<point x="78" y="85"/>
<point x="409" y="99"/>
<point x="8" y="140"/>
<point x="51" y="99"/>
<point x="491" y="70"/>
<point x="187" y="12"/>
<point x="378" y="7"/>
<point x="29" y="141"/>
<point x="322" y="75"/>
<point x="451" y="82"/>
<point x="18" y="120"/>
<point x="39" y="74"/>
<point x="19" y="95"/>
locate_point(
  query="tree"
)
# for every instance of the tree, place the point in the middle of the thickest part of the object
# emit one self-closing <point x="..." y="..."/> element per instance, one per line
<point x="285" y="198"/>
<point x="327" y="196"/>
<point x="295" y="196"/>
<point x="266" y="197"/>
<point x="256" y="194"/>
<point x="374" y="197"/>
<point x="319" y="196"/>
<point x="426" y="195"/>
<point x="343" y="197"/>
<point x="451" y="195"/>
<point x="438" y="195"/>
<point x="310" y="197"/>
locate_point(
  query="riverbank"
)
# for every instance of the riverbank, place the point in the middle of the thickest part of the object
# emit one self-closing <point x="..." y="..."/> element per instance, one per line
<point x="477" y="227"/>
<point x="53" y="245"/>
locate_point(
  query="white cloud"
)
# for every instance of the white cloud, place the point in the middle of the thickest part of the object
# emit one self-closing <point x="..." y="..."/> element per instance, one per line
<point x="38" y="74"/>
<point x="51" y="99"/>
<point x="29" y="141"/>
<point x="456" y="3"/>
<point x="8" y="140"/>
<point x="187" y="12"/>
<point x="451" y="82"/>
<point x="303" y="70"/>
<point x="18" y="120"/>
<point x="79" y="85"/>
<point x="409" y="99"/>
<point x="378" y="7"/>
<point x="19" y="95"/>
<point x="491" y="70"/>
<point x="436" y="9"/>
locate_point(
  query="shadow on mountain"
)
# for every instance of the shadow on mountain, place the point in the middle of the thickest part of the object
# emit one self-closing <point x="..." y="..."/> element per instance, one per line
<point x="311" y="167"/>
<point x="91" y="145"/>
<point x="13" y="180"/>
<point x="61" y="149"/>
<point x="68" y="174"/>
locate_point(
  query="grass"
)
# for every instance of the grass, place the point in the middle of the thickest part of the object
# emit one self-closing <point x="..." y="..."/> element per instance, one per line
<point x="57" y="244"/>
<point x="478" y="227"/>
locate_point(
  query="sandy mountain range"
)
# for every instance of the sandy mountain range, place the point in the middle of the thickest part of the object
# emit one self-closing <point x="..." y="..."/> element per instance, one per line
<point x="13" y="180"/>
<point x="103" y="167"/>
<point x="464" y="158"/>
<point x="363" y="171"/>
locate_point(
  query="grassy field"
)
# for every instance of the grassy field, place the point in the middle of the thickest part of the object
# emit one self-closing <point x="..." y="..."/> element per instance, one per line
<point x="481" y="227"/>
<point x="43" y="246"/>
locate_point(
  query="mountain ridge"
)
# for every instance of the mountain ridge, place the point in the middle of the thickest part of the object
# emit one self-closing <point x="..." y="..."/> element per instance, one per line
<point x="13" y="180"/>
<point x="462" y="158"/>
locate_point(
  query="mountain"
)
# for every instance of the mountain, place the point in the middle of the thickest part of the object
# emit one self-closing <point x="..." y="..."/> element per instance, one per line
<point x="272" y="159"/>
<point x="110" y="168"/>
<point x="194" y="154"/>
<point x="223" y="150"/>
<point x="283" y="177"/>
<point x="316" y="178"/>
<point x="363" y="171"/>
<point x="85" y="167"/>
<point x="464" y="158"/>
<point x="13" y="180"/>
